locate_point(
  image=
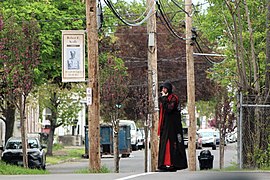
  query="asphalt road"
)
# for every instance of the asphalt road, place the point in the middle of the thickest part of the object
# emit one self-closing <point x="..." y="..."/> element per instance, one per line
<point x="133" y="168"/>
<point x="135" y="163"/>
<point x="183" y="175"/>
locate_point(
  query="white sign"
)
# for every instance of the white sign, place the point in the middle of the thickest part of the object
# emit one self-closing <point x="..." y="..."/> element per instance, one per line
<point x="73" y="53"/>
<point x="89" y="96"/>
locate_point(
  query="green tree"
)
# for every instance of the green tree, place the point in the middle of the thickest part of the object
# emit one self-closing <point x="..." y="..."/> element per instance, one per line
<point x="64" y="105"/>
<point x="239" y="32"/>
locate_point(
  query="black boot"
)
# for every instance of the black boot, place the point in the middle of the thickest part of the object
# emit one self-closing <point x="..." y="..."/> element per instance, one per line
<point x="172" y="169"/>
<point x="162" y="169"/>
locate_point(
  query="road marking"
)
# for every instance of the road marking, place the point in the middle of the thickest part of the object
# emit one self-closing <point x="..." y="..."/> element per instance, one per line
<point x="135" y="175"/>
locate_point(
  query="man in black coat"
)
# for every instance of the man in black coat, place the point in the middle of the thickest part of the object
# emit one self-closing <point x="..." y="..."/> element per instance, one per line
<point x="172" y="154"/>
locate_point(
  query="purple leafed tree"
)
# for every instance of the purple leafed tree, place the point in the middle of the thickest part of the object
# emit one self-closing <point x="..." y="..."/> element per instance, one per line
<point x="114" y="93"/>
<point x="19" y="55"/>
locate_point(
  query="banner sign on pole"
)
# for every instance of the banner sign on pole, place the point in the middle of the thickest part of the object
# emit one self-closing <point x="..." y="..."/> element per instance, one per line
<point x="73" y="54"/>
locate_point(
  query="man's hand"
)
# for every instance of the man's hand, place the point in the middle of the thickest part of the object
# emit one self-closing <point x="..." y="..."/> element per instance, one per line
<point x="164" y="94"/>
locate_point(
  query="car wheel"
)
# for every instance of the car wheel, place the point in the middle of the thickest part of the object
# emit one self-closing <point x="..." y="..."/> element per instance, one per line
<point x="125" y="155"/>
<point x="135" y="147"/>
<point x="43" y="166"/>
<point x="214" y="147"/>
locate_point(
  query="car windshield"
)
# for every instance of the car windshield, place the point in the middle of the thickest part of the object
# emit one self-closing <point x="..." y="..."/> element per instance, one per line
<point x="207" y="134"/>
<point x="17" y="144"/>
<point x="14" y="144"/>
<point x="32" y="143"/>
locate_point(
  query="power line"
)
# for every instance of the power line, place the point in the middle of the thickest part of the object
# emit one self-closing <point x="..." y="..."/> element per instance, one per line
<point x="204" y="55"/>
<point x="198" y="47"/>
<point x="111" y="6"/>
<point x="201" y="4"/>
<point x="168" y="25"/>
<point x="176" y="3"/>
<point x="164" y="18"/>
<point x="207" y="54"/>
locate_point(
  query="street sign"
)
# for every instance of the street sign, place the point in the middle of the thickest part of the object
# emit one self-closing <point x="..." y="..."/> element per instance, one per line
<point x="89" y="96"/>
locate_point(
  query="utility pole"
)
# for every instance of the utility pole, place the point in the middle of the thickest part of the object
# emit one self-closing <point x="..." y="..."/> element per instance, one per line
<point x="93" y="70"/>
<point x="190" y="88"/>
<point x="153" y="84"/>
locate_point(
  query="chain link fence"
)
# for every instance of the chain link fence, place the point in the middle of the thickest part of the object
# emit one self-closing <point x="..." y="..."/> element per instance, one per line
<point x="253" y="131"/>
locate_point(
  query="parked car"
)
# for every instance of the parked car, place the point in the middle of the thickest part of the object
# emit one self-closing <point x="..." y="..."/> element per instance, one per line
<point x="185" y="136"/>
<point x="232" y="136"/>
<point x="140" y="138"/>
<point x="144" y="138"/>
<point x="217" y="135"/>
<point x="36" y="154"/>
<point x="198" y="139"/>
<point x="208" y="137"/>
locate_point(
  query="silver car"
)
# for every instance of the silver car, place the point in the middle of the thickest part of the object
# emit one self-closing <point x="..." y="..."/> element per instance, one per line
<point x="36" y="154"/>
<point x="208" y="137"/>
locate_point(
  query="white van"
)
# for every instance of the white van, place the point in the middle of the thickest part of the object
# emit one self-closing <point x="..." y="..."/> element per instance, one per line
<point x="133" y="132"/>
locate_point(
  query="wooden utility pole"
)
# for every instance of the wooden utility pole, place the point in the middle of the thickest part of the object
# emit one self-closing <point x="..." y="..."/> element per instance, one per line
<point x="190" y="89"/>
<point x="153" y="84"/>
<point x="93" y="108"/>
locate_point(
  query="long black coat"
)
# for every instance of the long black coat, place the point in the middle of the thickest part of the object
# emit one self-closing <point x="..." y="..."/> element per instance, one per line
<point x="170" y="128"/>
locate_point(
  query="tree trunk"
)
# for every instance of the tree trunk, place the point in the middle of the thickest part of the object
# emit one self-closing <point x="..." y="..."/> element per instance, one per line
<point x="248" y="136"/>
<point x="241" y="50"/>
<point x="22" y="102"/>
<point x="50" y="141"/>
<point x="53" y="123"/>
<point x="253" y="56"/>
<point x="267" y="66"/>
<point x="221" y="118"/>
<point x="10" y="119"/>
<point x="250" y="128"/>
<point x="265" y="120"/>
<point x="255" y="80"/>
<point x="115" y="145"/>
<point x="238" y="46"/>
<point x="221" y="145"/>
